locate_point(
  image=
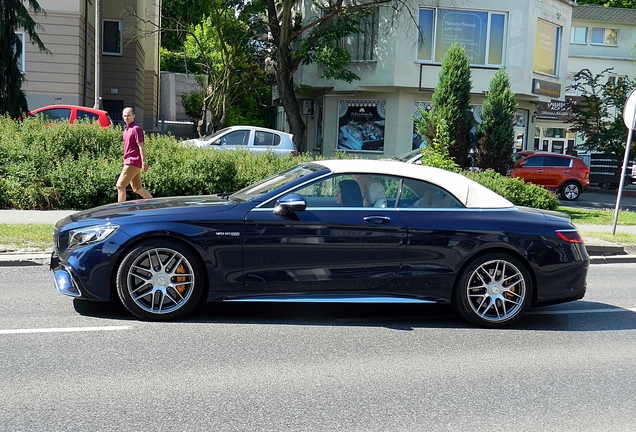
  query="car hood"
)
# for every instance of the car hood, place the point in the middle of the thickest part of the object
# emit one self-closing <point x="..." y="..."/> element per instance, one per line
<point x="150" y="207"/>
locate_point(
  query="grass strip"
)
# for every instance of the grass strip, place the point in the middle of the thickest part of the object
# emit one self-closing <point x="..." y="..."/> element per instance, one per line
<point x="26" y="236"/>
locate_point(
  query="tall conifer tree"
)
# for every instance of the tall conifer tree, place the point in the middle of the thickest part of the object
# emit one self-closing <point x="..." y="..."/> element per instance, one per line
<point x="14" y="15"/>
<point x="451" y="102"/>
<point x="495" y="134"/>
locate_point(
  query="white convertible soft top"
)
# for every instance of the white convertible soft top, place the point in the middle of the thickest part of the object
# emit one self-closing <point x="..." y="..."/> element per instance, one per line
<point x="471" y="194"/>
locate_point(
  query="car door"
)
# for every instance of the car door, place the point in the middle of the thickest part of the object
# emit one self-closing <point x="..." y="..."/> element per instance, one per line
<point x="531" y="170"/>
<point x="438" y="231"/>
<point x="556" y="170"/>
<point x="263" y="141"/>
<point x="235" y="139"/>
<point x="326" y="247"/>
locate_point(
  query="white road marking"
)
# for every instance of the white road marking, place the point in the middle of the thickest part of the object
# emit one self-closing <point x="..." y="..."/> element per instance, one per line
<point x="64" y="330"/>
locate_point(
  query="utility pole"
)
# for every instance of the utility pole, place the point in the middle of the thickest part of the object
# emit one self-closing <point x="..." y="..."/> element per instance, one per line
<point x="98" y="54"/>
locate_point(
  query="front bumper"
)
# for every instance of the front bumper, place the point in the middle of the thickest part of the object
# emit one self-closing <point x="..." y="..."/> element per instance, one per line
<point x="63" y="278"/>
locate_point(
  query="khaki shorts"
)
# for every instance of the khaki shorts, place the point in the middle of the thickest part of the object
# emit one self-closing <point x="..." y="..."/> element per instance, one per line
<point x="130" y="174"/>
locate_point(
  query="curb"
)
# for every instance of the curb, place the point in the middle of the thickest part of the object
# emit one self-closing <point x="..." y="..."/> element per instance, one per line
<point x="613" y="259"/>
<point x="21" y="259"/>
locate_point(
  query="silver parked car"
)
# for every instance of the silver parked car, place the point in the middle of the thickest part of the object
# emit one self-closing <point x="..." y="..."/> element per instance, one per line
<point x="252" y="138"/>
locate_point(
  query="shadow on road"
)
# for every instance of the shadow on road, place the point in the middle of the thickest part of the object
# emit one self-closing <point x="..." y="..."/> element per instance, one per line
<point x="578" y="316"/>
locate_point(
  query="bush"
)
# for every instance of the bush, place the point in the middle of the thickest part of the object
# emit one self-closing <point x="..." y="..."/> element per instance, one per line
<point x="74" y="166"/>
<point x="516" y="190"/>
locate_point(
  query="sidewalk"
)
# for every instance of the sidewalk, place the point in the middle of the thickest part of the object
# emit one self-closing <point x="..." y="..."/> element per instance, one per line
<point x="600" y="251"/>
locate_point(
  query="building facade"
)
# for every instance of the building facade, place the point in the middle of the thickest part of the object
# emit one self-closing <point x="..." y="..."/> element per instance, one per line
<point x="399" y="64"/>
<point x="128" y="57"/>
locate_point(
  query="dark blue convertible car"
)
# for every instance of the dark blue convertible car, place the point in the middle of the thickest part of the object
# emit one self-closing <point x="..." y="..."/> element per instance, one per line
<point x="341" y="230"/>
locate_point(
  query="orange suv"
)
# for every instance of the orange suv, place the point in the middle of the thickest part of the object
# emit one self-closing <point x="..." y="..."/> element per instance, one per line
<point x="566" y="174"/>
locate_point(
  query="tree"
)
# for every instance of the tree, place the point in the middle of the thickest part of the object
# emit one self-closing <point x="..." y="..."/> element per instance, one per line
<point x="13" y="16"/>
<point x="495" y="134"/>
<point x="597" y="114"/>
<point x="213" y="39"/>
<point x="294" y="40"/>
<point x="629" y="4"/>
<point x="177" y="17"/>
<point x="221" y="47"/>
<point x="436" y="153"/>
<point x="450" y="103"/>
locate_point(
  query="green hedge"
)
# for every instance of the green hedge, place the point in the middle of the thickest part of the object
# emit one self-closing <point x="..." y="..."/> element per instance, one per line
<point x="516" y="190"/>
<point x="46" y="167"/>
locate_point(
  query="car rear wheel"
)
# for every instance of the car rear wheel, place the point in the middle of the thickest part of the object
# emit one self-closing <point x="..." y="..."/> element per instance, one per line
<point x="570" y="191"/>
<point x="493" y="291"/>
<point x="159" y="280"/>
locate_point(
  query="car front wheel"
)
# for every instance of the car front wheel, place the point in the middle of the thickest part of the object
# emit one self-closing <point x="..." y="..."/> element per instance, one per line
<point x="159" y="280"/>
<point x="493" y="291"/>
<point x="570" y="191"/>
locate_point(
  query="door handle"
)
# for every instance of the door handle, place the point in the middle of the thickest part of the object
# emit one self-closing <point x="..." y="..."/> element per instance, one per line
<point x="377" y="219"/>
<point x="539" y="171"/>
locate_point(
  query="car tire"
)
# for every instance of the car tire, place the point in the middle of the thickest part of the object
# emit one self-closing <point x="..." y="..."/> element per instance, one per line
<point x="159" y="280"/>
<point x="570" y="191"/>
<point x="493" y="291"/>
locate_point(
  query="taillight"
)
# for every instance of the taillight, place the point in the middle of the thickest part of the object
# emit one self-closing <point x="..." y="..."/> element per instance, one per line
<point x="570" y="236"/>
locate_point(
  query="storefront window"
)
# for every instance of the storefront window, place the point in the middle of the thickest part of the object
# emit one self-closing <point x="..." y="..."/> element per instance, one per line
<point x="361" y="125"/>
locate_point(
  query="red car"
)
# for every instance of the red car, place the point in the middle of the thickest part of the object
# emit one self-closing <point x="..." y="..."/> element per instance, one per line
<point x="564" y="173"/>
<point x="71" y="113"/>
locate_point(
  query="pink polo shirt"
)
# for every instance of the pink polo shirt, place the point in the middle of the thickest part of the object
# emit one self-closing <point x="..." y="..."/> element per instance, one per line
<point x="133" y="135"/>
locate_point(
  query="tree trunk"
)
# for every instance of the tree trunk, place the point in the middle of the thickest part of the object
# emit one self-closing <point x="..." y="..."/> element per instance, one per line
<point x="285" y="81"/>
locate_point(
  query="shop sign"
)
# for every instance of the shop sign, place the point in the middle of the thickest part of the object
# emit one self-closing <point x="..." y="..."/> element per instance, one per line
<point x="555" y="110"/>
<point x="546" y="88"/>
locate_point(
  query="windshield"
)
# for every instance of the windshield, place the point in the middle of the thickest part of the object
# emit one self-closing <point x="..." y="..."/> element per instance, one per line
<point x="518" y="156"/>
<point x="214" y="135"/>
<point x="410" y="155"/>
<point x="275" y="181"/>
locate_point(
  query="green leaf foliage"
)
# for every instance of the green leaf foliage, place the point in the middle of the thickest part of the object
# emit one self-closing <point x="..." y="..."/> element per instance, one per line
<point x="450" y="103"/>
<point x="62" y="166"/>
<point x="495" y="135"/>
<point x="516" y="190"/>
<point x="597" y="115"/>
<point x="14" y="16"/>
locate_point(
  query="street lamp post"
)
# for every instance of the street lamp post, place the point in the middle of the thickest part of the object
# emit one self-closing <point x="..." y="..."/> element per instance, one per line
<point x="98" y="53"/>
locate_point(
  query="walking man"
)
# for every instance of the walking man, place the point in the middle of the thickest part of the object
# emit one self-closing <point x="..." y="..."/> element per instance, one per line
<point x="134" y="158"/>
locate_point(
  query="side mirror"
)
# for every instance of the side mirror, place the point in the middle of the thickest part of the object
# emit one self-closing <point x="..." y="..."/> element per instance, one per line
<point x="290" y="203"/>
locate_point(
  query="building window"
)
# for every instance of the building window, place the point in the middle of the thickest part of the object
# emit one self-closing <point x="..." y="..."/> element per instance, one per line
<point x="361" y="46"/>
<point x="604" y="36"/>
<point x="547" y="48"/>
<point x="578" y="35"/>
<point x="481" y="33"/>
<point x="617" y="85"/>
<point x="21" y="56"/>
<point x="111" y="38"/>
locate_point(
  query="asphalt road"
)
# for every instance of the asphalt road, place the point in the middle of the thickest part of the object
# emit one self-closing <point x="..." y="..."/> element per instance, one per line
<point x="267" y="367"/>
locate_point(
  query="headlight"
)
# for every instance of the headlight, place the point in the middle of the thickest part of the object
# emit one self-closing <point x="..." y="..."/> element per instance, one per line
<point x="91" y="234"/>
